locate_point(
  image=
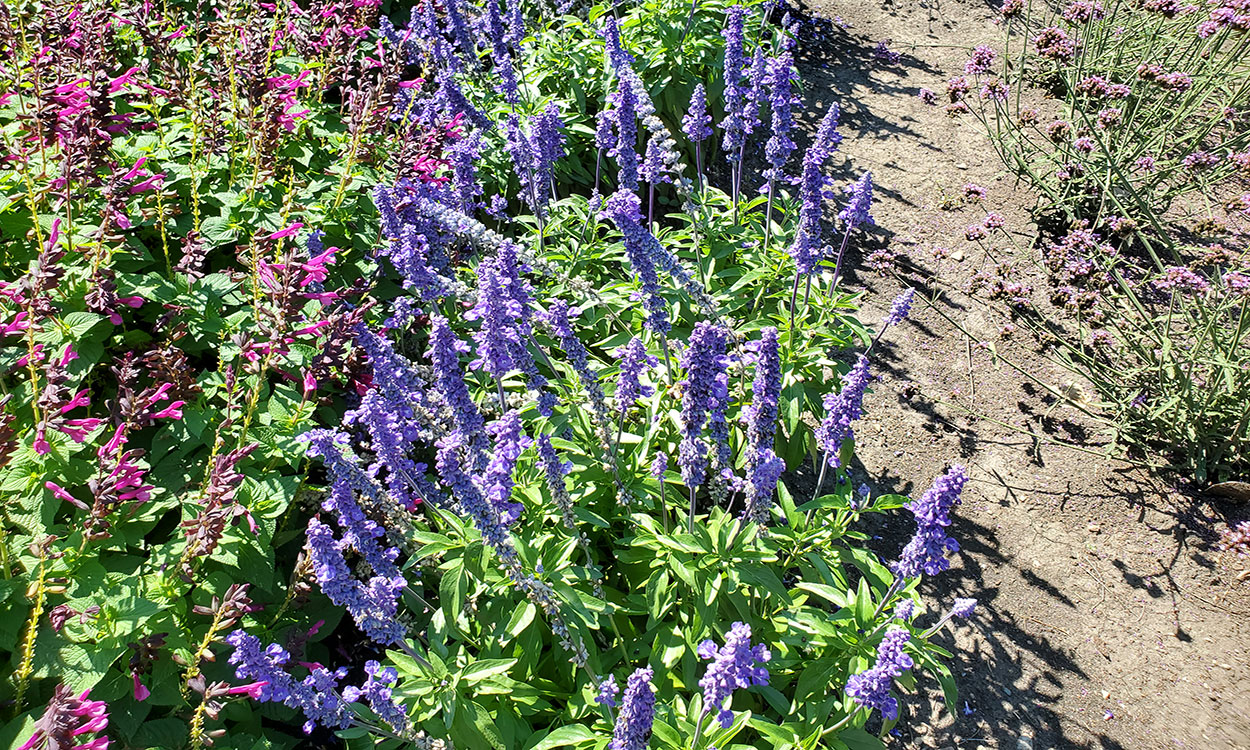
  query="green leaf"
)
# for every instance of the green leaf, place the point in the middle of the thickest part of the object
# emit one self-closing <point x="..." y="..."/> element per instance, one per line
<point x="484" y="668"/>
<point x="858" y="739"/>
<point x="569" y="736"/>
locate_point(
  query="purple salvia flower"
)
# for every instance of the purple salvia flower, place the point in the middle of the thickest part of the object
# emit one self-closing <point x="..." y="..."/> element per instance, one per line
<point x="525" y="162"/>
<point x="900" y="309"/>
<point x="373" y="605"/>
<point x="618" y="59"/>
<point x="904" y="610"/>
<point x="757" y="91"/>
<point x="626" y="117"/>
<point x="705" y="364"/>
<point x="451" y="100"/>
<point x="316" y="695"/>
<point x="268" y="666"/>
<point x="734" y="665"/>
<point x="346" y="479"/>
<point x="484" y="516"/>
<point x="622" y="207"/>
<point x="841" y="411"/>
<point x="444" y="353"/>
<point x="633" y="723"/>
<point x="499" y="337"/>
<point x="494" y="31"/>
<point x="548" y="146"/>
<point x="857" y="208"/>
<point x="781" y="101"/>
<point x="763" y="466"/>
<point x="395" y="412"/>
<point x="608" y="690"/>
<point x="761" y="415"/>
<point x="554" y="470"/>
<point x="963" y="608"/>
<point x="653" y="169"/>
<point x="605" y="138"/>
<point x="376" y="691"/>
<point x="697" y="123"/>
<point x="813" y="187"/>
<point x="465" y="40"/>
<point x="559" y="318"/>
<point x="510" y="441"/>
<point x="463" y="156"/>
<point x="647" y="255"/>
<point x="735" y="92"/>
<point x="871" y="689"/>
<point x="659" y="466"/>
<point x="515" y="31"/>
<point x="634" y="362"/>
<point x="925" y="553"/>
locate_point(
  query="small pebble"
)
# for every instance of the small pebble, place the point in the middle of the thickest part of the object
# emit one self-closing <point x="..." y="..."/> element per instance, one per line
<point x="1094" y="528"/>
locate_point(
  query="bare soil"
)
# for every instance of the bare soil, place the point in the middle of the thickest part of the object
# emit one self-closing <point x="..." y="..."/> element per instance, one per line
<point x="1108" y="617"/>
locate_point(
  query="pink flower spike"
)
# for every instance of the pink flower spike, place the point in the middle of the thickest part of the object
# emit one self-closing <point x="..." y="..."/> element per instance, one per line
<point x="286" y="232"/>
<point x="17" y="325"/>
<point x="59" y="492"/>
<point x="41" y="445"/>
<point x="99" y="743"/>
<point x="141" y="692"/>
<point x="38" y="356"/>
<point x="173" y="411"/>
<point x="67" y="356"/>
<point x="82" y="398"/>
<point x="55" y="234"/>
<point x="117" y="83"/>
<point x="135" y="169"/>
<point x="134" y="302"/>
<point x="252" y="690"/>
<point x="160" y="394"/>
<point x="118" y="440"/>
<point x="311" y="329"/>
<point x="316" y="626"/>
<point x="79" y="429"/>
<point x="148" y="184"/>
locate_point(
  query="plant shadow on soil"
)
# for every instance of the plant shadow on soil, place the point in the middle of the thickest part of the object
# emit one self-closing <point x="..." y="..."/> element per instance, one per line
<point x="1107" y="617"/>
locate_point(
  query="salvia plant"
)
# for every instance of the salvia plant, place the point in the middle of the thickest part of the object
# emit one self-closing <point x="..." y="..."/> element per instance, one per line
<point x="1139" y="159"/>
<point x="376" y="378"/>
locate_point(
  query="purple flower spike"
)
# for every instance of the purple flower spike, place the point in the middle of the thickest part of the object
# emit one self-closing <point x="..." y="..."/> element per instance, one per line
<point x="705" y="364"/>
<point x="871" y="689"/>
<point x="659" y="466"/>
<point x="634" y="363"/>
<point x="925" y="553"/>
<point x="813" y="189"/>
<point x="841" y="411"/>
<point x="763" y="466"/>
<point x="734" y="665"/>
<point x="857" y="208"/>
<point x="608" y="690"/>
<point x="376" y="691"/>
<point x="963" y="608"/>
<point x="633" y="724"/>
<point x="900" y="309"/>
<point x="696" y="124"/>
<point x="781" y="101"/>
<point x="373" y="606"/>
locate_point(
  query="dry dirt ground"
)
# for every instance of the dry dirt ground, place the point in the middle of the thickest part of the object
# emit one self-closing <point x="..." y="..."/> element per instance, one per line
<point x="1108" y="617"/>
